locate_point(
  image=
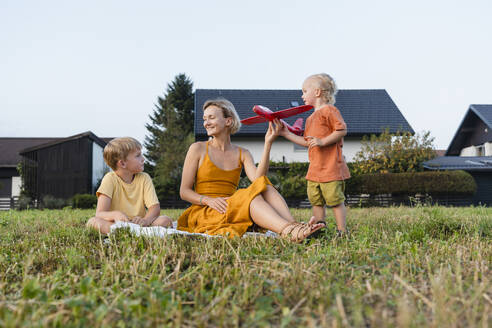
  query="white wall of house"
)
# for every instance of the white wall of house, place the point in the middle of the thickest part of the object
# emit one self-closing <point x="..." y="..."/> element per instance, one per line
<point x="488" y="148"/>
<point x="285" y="150"/>
<point x="469" y="151"/>
<point x="479" y="150"/>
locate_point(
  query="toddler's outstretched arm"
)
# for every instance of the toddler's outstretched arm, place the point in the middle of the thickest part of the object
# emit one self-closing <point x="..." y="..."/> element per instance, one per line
<point x="332" y="138"/>
<point x="284" y="132"/>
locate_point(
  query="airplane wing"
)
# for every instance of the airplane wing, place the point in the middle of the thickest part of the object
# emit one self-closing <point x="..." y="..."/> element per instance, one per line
<point x="254" y="120"/>
<point x="292" y="111"/>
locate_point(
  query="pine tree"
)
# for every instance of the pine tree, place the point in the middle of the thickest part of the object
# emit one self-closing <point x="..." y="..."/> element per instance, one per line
<point x="170" y="134"/>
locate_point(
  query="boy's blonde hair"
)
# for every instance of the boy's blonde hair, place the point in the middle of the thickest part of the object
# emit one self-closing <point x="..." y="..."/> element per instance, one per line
<point x="327" y="86"/>
<point x="118" y="149"/>
<point x="228" y="110"/>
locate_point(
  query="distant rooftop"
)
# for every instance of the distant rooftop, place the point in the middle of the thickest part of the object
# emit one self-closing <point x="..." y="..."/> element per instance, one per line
<point x="475" y="163"/>
<point x="11" y="147"/>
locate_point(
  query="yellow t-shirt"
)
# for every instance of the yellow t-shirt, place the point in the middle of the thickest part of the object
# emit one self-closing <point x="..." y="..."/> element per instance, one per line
<point x="129" y="198"/>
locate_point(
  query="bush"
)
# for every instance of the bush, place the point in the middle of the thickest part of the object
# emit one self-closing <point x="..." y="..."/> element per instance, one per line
<point x="432" y="183"/>
<point x="393" y="153"/>
<point x="25" y="202"/>
<point x="51" y="202"/>
<point x="84" y="201"/>
<point x="293" y="187"/>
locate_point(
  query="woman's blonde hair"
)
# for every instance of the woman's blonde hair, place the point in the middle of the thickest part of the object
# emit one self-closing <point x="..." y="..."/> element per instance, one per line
<point x="118" y="149"/>
<point x="327" y="86"/>
<point x="228" y="110"/>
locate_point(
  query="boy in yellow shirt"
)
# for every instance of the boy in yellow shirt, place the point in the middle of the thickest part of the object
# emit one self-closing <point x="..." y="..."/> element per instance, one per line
<point x="126" y="192"/>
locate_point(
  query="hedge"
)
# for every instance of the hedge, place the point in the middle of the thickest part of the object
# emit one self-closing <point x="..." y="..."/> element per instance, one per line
<point x="84" y="201"/>
<point x="433" y="183"/>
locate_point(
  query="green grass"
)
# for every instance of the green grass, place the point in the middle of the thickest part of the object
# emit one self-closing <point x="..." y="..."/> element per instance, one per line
<point x="405" y="267"/>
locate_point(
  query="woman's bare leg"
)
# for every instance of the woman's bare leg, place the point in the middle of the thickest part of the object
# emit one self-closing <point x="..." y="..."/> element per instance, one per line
<point x="264" y="215"/>
<point x="99" y="224"/>
<point x="273" y="197"/>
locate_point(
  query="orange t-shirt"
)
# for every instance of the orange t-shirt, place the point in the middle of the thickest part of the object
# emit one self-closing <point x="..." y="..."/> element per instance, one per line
<point x="326" y="163"/>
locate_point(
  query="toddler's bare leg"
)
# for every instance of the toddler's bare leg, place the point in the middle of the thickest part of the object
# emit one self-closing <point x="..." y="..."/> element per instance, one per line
<point x="318" y="214"/>
<point x="163" y="221"/>
<point x="340" y="216"/>
<point x="99" y="224"/>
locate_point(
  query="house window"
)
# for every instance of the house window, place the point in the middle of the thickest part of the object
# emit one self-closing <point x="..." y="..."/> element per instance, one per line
<point x="299" y="149"/>
<point x="294" y="103"/>
<point x="481" y="150"/>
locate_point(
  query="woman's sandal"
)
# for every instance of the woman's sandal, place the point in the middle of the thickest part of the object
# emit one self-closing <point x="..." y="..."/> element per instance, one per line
<point x="296" y="232"/>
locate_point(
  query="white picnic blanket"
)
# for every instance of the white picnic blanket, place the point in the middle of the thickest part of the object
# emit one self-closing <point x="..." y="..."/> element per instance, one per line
<point x="163" y="232"/>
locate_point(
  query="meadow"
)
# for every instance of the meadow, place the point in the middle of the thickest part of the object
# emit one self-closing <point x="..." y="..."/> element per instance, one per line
<point x="400" y="267"/>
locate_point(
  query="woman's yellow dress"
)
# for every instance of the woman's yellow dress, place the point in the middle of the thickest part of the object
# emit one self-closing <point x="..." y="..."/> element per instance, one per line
<point x="215" y="182"/>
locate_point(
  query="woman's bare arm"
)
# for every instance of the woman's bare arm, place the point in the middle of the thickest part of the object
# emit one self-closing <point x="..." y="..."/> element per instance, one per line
<point x="251" y="170"/>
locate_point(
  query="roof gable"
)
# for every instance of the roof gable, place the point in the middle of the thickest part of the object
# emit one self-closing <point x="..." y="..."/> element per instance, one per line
<point x="10" y="148"/>
<point x="364" y="111"/>
<point x="476" y="116"/>
<point x="87" y="134"/>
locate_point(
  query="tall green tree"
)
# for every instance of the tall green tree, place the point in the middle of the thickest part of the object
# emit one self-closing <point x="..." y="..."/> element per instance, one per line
<point x="170" y="134"/>
<point x="393" y="153"/>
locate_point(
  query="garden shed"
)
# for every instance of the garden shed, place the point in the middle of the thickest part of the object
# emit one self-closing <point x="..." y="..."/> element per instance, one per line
<point x="64" y="167"/>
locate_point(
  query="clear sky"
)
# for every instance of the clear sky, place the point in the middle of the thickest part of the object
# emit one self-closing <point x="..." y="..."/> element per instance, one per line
<point x="67" y="67"/>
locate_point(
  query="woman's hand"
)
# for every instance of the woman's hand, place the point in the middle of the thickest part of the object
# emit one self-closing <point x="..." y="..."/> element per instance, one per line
<point x="273" y="131"/>
<point x="219" y="204"/>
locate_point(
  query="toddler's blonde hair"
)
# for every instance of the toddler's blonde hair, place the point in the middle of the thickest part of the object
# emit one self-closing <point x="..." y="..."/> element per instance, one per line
<point x="118" y="149"/>
<point x="327" y="86"/>
<point x="228" y="110"/>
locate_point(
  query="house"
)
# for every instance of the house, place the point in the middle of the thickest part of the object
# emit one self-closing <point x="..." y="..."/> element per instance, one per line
<point x="474" y="134"/>
<point x="471" y="150"/>
<point x="64" y="167"/>
<point x="10" y="180"/>
<point x="365" y="112"/>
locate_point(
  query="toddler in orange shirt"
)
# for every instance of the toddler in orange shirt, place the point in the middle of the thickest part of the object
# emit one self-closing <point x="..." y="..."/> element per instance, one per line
<point x="323" y="134"/>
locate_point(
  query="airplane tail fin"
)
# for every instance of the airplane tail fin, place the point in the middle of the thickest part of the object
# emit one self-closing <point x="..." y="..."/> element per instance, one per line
<point x="298" y="123"/>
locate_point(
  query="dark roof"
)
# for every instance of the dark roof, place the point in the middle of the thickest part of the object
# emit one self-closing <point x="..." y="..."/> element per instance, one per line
<point x="474" y="114"/>
<point x="10" y="148"/>
<point x="484" y="112"/>
<point x="475" y="163"/>
<point x="364" y="111"/>
<point x="87" y="134"/>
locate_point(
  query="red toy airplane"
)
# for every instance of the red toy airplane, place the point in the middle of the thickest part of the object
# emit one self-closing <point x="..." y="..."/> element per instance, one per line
<point x="265" y="114"/>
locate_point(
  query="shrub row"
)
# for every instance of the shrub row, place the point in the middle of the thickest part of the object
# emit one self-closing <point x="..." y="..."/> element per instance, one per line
<point x="51" y="202"/>
<point x="433" y="183"/>
<point x="290" y="181"/>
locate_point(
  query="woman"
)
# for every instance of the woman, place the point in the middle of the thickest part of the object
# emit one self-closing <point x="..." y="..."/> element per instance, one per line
<point x="214" y="167"/>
